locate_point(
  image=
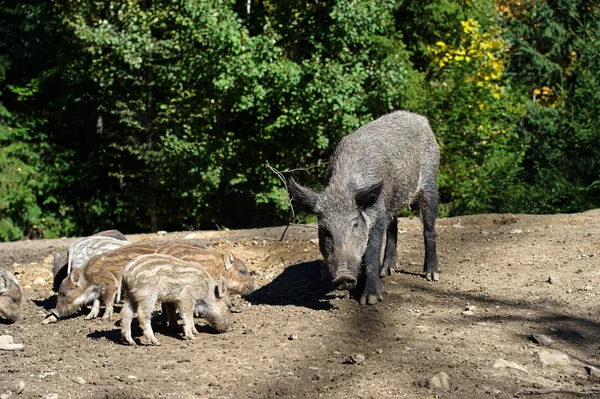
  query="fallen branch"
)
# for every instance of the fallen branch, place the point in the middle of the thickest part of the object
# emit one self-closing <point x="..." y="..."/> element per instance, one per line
<point x="284" y="181"/>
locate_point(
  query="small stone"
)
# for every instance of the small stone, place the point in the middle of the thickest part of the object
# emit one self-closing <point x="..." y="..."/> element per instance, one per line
<point x="161" y="232"/>
<point x="39" y="281"/>
<point x="19" y="386"/>
<point x="6" y="394"/>
<point x="356" y="358"/>
<point x="190" y="236"/>
<point x="552" y="280"/>
<point x="132" y="377"/>
<point x="541" y="339"/>
<point x="379" y="351"/>
<point x="551" y="358"/>
<point x="468" y="313"/>
<point x="516" y="231"/>
<point x="593" y="371"/>
<point x="293" y="337"/>
<point x="10" y="346"/>
<point x="80" y="380"/>
<point x="50" y="319"/>
<point x="52" y="396"/>
<point x="470" y="307"/>
<point x="505" y="364"/>
<point x="6" y="339"/>
<point x="439" y="381"/>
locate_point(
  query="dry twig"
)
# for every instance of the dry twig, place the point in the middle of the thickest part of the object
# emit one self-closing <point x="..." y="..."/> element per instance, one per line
<point x="283" y="180"/>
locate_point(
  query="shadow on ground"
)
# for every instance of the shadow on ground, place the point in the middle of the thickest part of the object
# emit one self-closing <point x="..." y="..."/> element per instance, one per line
<point x="305" y="284"/>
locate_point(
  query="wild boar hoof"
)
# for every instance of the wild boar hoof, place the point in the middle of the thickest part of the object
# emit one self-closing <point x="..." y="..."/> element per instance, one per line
<point x="370" y="299"/>
<point x="156" y="343"/>
<point x="386" y="271"/>
<point x="432" y="276"/>
<point x="90" y="316"/>
<point x="189" y="337"/>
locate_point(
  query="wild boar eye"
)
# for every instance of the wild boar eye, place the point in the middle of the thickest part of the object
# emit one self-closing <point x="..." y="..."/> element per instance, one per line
<point x="243" y="272"/>
<point x="13" y="299"/>
<point x="355" y="225"/>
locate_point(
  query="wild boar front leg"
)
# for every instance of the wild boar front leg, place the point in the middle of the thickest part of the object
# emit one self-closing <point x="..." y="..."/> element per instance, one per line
<point x="95" y="310"/>
<point x="372" y="264"/>
<point x="186" y="310"/>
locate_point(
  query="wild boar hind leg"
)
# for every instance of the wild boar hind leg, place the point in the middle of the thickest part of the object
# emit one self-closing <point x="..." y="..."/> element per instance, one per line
<point x="144" y="316"/>
<point x="108" y="297"/>
<point x="126" y="319"/>
<point x="372" y="264"/>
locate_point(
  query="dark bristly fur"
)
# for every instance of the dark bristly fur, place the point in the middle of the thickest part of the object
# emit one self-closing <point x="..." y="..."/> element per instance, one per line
<point x="387" y="164"/>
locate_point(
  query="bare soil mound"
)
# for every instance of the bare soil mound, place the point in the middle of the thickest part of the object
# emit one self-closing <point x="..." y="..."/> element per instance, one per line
<point x="503" y="278"/>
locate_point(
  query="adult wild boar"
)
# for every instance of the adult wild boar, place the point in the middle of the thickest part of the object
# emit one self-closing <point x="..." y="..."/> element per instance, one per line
<point x="387" y="164"/>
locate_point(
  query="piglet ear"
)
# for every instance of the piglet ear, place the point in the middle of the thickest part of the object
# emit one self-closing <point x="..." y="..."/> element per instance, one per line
<point x="4" y="282"/>
<point x="365" y="197"/>
<point x="305" y="197"/>
<point x="221" y="288"/>
<point x="74" y="276"/>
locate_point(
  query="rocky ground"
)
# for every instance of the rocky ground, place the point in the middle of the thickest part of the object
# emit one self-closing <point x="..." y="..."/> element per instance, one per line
<point x="504" y="278"/>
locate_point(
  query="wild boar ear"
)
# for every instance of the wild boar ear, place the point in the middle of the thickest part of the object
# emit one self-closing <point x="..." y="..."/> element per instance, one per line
<point x="221" y="288"/>
<point x="228" y="260"/>
<point x="365" y="197"/>
<point x="305" y="197"/>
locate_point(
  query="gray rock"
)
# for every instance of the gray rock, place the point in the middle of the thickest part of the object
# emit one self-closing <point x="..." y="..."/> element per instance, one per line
<point x="6" y="394"/>
<point x="551" y="358"/>
<point x="18" y="387"/>
<point x="593" y="371"/>
<point x="541" y="339"/>
<point x="6" y="339"/>
<point x="440" y="381"/>
<point x="356" y="358"/>
<point x="505" y="364"/>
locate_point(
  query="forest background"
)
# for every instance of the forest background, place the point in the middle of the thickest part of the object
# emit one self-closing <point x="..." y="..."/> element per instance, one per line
<point x="147" y="115"/>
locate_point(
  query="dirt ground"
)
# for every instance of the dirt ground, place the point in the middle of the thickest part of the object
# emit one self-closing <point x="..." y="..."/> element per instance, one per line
<point x="293" y="337"/>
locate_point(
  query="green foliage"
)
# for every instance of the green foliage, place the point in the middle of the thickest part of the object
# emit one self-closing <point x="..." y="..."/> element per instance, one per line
<point x="161" y="114"/>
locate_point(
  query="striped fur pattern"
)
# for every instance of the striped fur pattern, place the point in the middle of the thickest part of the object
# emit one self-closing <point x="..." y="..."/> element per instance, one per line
<point x="59" y="270"/>
<point x="217" y="263"/>
<point x="154" y="278"/>
<point x="97" y="280"/>
<point x="83" y="249"/>
<point x="10" y="297"/>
